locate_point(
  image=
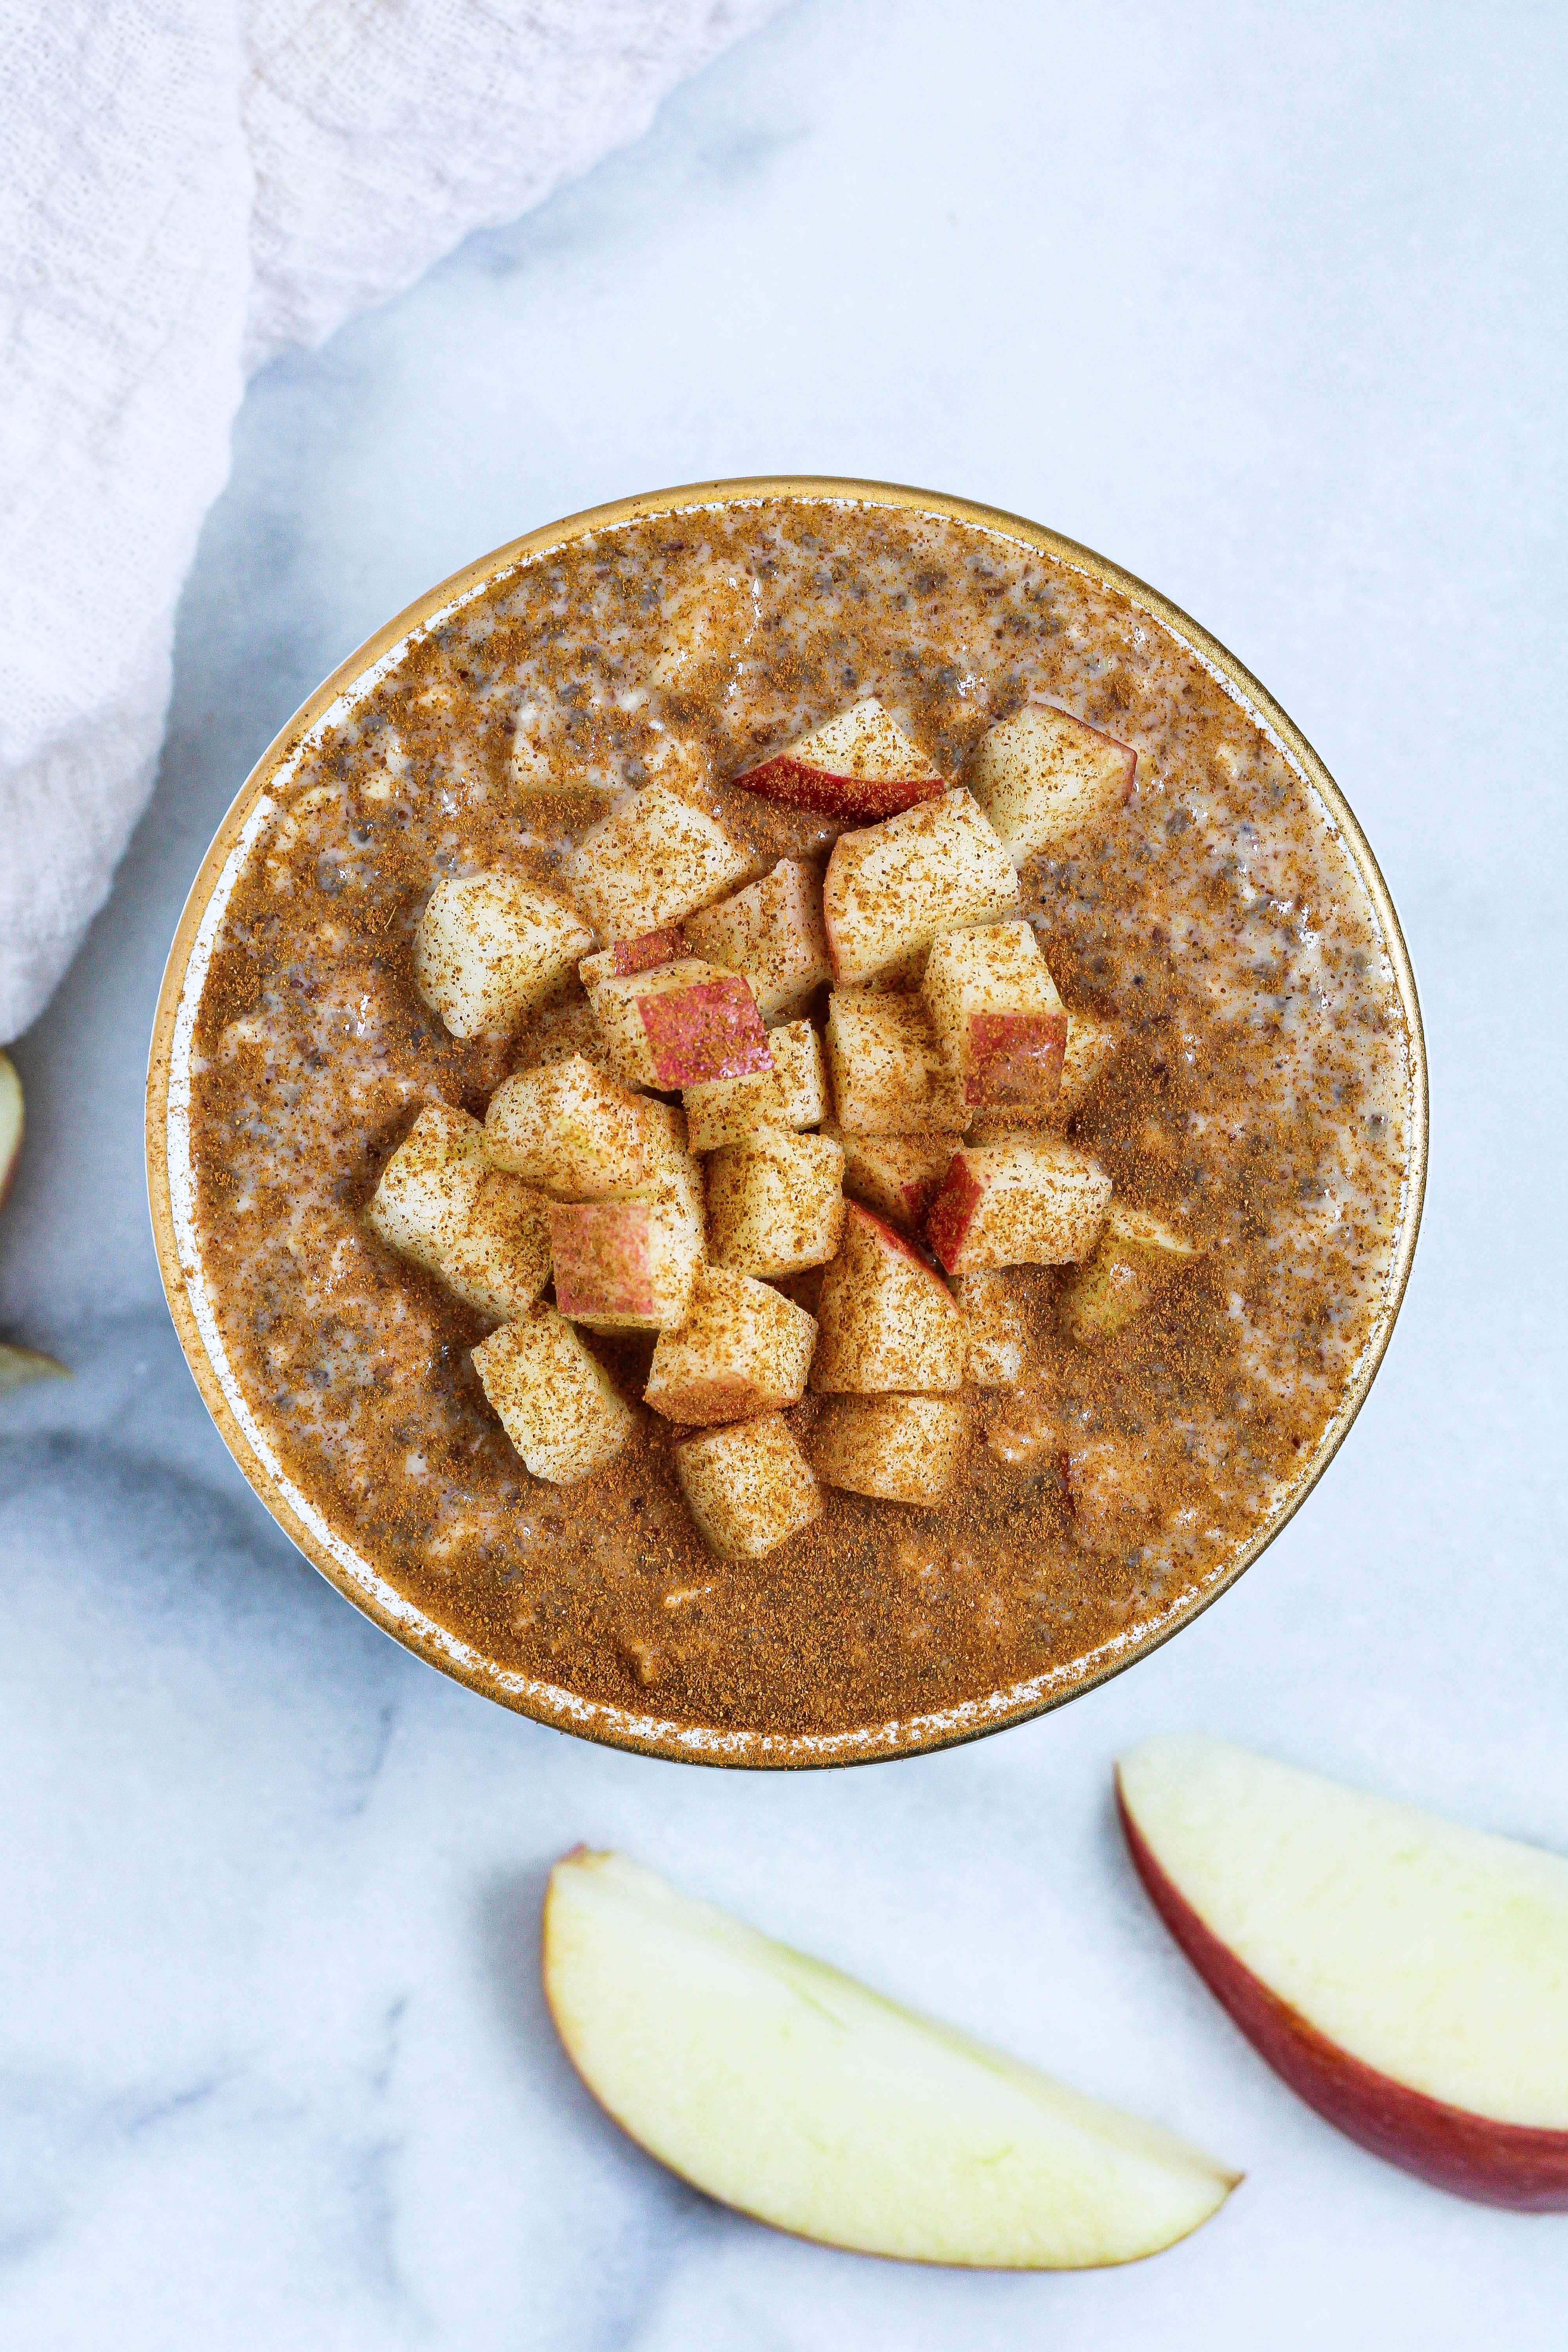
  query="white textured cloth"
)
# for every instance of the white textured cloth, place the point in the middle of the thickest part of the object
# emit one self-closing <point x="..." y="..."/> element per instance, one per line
<point x="187" y="187"/>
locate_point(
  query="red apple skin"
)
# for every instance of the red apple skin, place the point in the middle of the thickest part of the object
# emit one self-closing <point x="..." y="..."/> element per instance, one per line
<point x="888" y="1238"/>
<point x="649" y="949"/>
<point x="951" y="1212"/>
<point x="1016" y="1060"/>
<point x="1472" y="2156"/>
<point x="601" y="1256"/>
<point x="710" y="1031"/>
<point x="853" y="798"/>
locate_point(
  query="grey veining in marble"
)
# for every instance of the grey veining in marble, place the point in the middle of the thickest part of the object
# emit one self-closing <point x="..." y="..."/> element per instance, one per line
<point x="1261" y="302"/>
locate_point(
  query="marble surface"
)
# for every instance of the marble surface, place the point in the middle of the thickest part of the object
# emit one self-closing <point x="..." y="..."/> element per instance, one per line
<point x="1261" y="302"/>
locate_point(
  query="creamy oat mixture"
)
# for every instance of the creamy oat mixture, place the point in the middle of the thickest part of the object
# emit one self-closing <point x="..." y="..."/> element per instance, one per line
<point x="1259" y="1097"/>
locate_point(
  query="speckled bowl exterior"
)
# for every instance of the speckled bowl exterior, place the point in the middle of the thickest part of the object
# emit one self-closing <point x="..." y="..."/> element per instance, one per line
<point x="170" y="1187"/>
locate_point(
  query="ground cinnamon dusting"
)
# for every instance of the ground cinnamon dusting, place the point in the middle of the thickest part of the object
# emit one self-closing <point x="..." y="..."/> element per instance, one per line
<point x="1258" y="1100"/>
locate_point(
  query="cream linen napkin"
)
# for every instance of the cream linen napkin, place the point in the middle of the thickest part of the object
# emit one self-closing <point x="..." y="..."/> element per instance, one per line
<point x="185" y="189"/>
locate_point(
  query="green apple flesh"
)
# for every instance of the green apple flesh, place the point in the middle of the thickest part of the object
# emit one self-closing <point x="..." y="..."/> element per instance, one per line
<point x="789" y="2091"/>
<point x="1408" y="1977"/>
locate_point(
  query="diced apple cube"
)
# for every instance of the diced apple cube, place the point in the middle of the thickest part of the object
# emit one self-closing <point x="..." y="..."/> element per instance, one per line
<point x="629" y="956"/>
<point x="677" y="1183"/>
<point x="441" y="1205"/>
<point x="653" y="860"/>
<point x="487" y="949"/>
<point x="749" y="1487"/>
<point x="1136" y="1255"/>
<point x="886" y="1318"/>
<point x="430" y="1185"/>
<point x="773" y="931"/>
<point x="730" y="1111"/>
<point x="994" y="1342"/>
<point x="682" y="1024"/>
<point x="575" y="1134"/>
<point x="774" y="1204"/>
<point x="557" y="1402"/>
<point x="902" y="1449"/>
<point x="888" y="1077"/>
<point x="792" y="1094"/>
<point x="1090" y="1047"/>
<point x="624" y="1265"/>
<point x="800" y="1075"/>
<point x="742" y="1349"/>
<point x="893" y="888"/>
<point x="1032" y="1202"/>
<point x="859" y="763"/>
<point x="500" y="1261"/>
<point x="898" y="1175"/>
<point x="998" y="1022"/>
<point x="1049" y="782"/>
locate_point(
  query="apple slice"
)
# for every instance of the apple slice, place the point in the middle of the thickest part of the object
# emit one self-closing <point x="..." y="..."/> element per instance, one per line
<point x="859" y="764"/>
<point x="20" y="1365"/>
<point x="13" y="1119"/>
<point x="1408" y="1977"/>
<point x="788" y="2090"/>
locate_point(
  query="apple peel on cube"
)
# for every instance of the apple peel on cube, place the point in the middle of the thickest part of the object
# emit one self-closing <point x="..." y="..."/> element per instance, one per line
<point x="1407" y="1976"/>
<point x="856" y="765"/>
<point x="898" y="1176"/>
<point x="627" y="957"/>
<point x="624" y="1265"/>
<point x="681" y="1025"/>
<point x="790" y="2092"/>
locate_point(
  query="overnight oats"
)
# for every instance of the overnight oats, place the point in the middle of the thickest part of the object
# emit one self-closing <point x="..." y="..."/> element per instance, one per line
<point x="797" y="1120"/>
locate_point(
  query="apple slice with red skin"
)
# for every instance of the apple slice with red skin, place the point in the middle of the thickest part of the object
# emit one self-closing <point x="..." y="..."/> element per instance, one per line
<point x="788" y="2090"/>
<point x="1406" y="1976"/>
<point x="856" y="765"/>
<point x="13" y="1119"/>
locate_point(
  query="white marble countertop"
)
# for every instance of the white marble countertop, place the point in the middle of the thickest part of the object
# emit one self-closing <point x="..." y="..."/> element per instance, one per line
<point x="1260" y="302"/>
